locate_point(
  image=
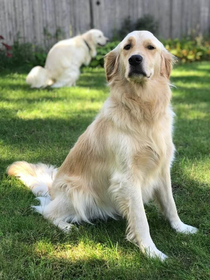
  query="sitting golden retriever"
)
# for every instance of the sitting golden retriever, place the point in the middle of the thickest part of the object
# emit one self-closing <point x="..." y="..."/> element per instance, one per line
<point x="62" y="67"/>
<point x="123" y="159"/>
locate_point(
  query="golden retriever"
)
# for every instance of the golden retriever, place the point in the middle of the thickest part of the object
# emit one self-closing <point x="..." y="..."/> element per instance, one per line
<point x="123" y="159"/>
<point x="62" y="67"/>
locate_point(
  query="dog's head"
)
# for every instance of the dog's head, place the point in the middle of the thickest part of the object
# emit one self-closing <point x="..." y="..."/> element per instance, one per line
<point x="96" y="37"/>
<point x="138" y="58"/>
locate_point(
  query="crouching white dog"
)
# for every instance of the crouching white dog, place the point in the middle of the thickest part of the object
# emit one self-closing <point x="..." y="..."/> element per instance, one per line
<point x="62" y="67"/>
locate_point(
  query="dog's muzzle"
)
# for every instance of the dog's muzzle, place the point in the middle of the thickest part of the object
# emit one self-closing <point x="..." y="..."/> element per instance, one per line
<point x="101" y="45"/>
<point x="136" y="67"/>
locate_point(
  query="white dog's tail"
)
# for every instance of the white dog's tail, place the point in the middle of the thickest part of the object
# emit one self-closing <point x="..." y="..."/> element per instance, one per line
<point x="38" y="77"/>
<point x="38" y="177"/>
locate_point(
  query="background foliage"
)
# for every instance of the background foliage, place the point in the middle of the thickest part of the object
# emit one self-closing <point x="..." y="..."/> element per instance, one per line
<point x="186" y="50"/>
<point x="146" y="22"/>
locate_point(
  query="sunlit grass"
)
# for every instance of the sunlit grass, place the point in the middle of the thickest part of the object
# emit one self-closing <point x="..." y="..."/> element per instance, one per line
<point x="41" y="126"/>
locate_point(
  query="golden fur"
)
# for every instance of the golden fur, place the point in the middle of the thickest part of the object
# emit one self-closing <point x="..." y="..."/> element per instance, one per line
<point x="123" y="158"/>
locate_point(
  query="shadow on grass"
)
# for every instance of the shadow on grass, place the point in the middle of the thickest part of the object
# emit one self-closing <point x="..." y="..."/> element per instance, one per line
<point x="43" y="138"/>
<point x="200" y="80"/>
<point x="18" y="69"/>
<point x="94" y="80"/>
<point x="195" y="66"/>
<point x="22" y="87"/>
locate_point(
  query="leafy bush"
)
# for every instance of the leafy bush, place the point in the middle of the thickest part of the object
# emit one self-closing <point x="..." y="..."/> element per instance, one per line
<point x="5" y="52"/>
<point x="24" y="54"/>
<point x="147" y="22"/>
<point x="189" y="50"/>
<point x="29" y="54"/>
<point x="185" y="50"/>
<point x="98" y="61"/>
<point x="4" y="48"/>
<point x="126" y="27"/>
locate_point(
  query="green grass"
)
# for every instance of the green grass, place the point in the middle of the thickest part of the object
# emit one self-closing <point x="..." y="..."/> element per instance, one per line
<point x="42" y="125"/>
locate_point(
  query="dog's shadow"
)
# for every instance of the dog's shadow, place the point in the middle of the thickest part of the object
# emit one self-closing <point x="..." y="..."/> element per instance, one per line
<point x="94" y="79"/>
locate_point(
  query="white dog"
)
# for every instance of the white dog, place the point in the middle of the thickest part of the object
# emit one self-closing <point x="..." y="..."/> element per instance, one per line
<point x="62" y="67"/>
<point x="123" y="159"/>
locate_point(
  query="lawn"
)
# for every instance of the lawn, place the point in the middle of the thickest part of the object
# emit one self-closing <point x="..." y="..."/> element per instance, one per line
<point x="42" y="125"/>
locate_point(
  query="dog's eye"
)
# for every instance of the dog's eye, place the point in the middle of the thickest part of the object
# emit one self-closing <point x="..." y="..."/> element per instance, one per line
<point x="150" y="47"/>
<point x="127" y="47"/>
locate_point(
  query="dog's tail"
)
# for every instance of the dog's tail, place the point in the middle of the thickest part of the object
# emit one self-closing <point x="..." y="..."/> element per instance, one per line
<point x="38" y="177"/>
<point x="39" y="77"/>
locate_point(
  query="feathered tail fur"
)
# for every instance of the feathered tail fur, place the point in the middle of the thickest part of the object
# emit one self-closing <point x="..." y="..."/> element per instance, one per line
<point x="38" y="77"/>
<point x="38" y="177"/>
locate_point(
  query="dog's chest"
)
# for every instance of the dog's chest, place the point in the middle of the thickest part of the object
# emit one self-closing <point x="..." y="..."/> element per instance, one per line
<point x="151" y="147"/>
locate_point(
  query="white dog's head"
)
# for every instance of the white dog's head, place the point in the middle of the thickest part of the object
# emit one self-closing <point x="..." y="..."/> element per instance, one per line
<point x="138" y="58"/>
<point x="95" y="38"/>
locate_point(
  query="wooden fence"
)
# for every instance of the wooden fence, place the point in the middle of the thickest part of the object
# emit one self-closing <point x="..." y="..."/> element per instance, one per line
<point x="43" y="22"/>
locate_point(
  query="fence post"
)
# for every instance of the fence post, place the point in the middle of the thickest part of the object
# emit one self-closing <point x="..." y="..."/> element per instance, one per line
<point x="91" y="14"/>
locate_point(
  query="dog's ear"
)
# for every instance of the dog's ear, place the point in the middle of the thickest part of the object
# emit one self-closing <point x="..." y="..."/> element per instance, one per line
<point x="88" y="37"/>
<point x="111" y="65"/>
<point x="167" y="61"/>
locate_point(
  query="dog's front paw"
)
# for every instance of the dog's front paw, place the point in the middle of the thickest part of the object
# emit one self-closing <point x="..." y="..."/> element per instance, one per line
<point x="64" y="226"/>
<point x="183" y="228"/>
<point x="67" y="228"/>
<point x="155" y="253"/>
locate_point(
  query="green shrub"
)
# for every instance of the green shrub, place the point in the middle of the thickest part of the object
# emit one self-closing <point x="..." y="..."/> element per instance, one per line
<point x="147" y="22"/>
<point x="5" y="51"/>
<point x="29" y="54"/>
<point x="23" y="54"/>
<point x="126" y="27"/>
<point x="187" y="50"/>
<point x="98" y="61"/>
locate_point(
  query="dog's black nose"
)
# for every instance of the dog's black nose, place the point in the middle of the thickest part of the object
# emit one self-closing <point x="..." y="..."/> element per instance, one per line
<point x="135" y="60"/>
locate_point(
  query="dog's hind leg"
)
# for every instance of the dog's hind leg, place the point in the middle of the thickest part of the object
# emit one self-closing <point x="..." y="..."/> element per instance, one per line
<point x="59" y="211"/>
<point x="67" y="79"/>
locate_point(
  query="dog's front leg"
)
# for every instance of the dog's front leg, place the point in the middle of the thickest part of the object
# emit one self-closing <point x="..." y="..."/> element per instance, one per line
<point x="130" y="202"/>
<point x="166" y="201"/>
<point x="87" y="60"/>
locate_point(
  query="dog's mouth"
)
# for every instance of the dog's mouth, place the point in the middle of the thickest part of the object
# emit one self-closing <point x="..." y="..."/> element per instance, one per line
<point x="138" y="72"/>
<point x="101" y="45"/>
